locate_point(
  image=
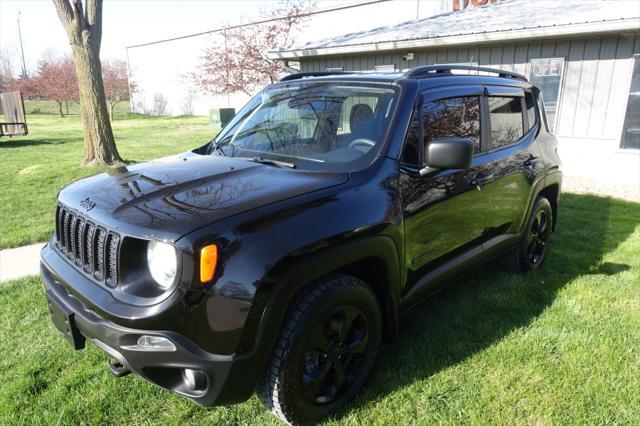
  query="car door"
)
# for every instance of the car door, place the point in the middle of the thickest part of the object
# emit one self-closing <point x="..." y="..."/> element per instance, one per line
<point x="512" y="157"/>
<point x="445" y="212"/>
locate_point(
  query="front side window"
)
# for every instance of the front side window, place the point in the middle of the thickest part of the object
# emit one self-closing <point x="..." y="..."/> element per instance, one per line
<point x="454" y="117"/>
<point x="507" y="124"/>
<point x="327" y="126"/>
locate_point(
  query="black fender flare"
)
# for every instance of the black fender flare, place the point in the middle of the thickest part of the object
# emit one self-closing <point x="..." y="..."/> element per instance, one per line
<point x="281" y="285"/>
<point x="551" y="178"/>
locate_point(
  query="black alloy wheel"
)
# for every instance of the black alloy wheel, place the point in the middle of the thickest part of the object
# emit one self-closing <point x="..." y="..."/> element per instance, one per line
<point x="334" y="351"/>
<point x="533" y="245"/>
<point x="327" y="345"/>
<point x="539" y="233"/>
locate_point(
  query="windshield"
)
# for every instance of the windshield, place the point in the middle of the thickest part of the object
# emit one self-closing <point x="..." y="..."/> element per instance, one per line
<point x="328" y="126"/>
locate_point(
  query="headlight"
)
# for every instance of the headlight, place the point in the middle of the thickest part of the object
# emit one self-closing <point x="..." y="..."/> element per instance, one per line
<point x="163" y="263"/>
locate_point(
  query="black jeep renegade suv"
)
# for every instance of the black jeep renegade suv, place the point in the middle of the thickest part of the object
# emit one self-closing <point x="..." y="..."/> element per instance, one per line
<point x="276" y="257"/>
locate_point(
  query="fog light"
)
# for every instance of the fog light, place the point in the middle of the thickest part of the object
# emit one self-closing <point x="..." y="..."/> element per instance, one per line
<point x="152" y="344"/>
<point x="194" y="379"/>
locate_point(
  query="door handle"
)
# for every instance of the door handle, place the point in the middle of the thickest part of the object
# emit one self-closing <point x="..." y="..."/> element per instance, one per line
<point x="480" y="182"/>
<point x="530" y="161"/>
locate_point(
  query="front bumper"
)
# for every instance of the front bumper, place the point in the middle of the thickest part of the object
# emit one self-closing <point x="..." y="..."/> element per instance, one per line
<point x="229" y="378"/>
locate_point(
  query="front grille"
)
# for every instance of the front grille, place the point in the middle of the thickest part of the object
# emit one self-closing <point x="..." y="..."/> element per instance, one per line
<point x="92" y="248"/>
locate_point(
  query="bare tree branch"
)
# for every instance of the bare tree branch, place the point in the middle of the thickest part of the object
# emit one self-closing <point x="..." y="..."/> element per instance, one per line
<point x="63" y="8"/>
<point x="239" y="64"/>
<point x="94" y="18"/>
<point x="78" y="16"/>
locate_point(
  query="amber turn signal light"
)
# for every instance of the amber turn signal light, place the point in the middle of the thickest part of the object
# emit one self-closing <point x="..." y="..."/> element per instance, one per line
<point x="208" y="262"/>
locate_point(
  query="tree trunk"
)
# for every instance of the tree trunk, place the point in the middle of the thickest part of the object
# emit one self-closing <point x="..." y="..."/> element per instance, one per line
<point x="66" y="105"/>
<point x="99" y="145"/>
<point x="111" y="105"/>
<point x="85" y="33"/>
<point x="60" y="109"/>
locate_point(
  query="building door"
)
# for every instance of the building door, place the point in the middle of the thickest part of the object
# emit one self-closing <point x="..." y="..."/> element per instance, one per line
<point x="630" y="138"/>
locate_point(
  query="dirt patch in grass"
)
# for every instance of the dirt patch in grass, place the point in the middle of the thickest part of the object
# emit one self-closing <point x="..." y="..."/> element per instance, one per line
<point x="29" y="169"/>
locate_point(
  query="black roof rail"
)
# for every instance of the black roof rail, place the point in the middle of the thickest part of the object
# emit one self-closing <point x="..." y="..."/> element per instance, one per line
<point x="300" y="75"/>
<point x="430" y="70"/>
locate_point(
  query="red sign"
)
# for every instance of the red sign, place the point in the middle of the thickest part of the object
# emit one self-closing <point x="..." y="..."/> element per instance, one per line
<point x="463" y="4"/>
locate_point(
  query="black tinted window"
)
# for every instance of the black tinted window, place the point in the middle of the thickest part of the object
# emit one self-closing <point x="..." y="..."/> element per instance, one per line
<point x="455" y="117"/>
<point x="506" y="121"/>
<point x="530" y="103"/>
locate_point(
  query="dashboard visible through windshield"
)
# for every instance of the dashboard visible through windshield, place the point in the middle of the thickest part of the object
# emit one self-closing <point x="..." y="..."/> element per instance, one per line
<point x="313" y="125"/>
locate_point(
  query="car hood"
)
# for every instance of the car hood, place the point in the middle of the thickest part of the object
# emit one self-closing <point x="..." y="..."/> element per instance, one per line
<point x="169" y="197"/>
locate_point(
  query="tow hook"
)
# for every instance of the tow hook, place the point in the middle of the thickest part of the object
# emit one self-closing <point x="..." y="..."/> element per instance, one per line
<point x="118" y="370"/>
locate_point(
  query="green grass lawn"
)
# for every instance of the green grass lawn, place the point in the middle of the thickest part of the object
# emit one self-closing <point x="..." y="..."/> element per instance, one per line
<point x="560" y="345"/>
<point x="44" y="106"/>
<point x="33" y="168"/>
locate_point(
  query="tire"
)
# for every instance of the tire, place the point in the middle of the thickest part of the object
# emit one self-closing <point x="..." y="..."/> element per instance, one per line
<point x="532" y="248"/>
<point x="313" y="355"/>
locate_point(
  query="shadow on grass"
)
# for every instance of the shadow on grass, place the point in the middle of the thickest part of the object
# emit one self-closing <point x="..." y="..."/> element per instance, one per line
<point x="21" y="143"/>
<point x="485" y="306"/>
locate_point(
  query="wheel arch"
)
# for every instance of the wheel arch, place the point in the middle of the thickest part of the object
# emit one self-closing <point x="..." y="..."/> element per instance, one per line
<point x="552" y="193"/>
<point x="374" y="259"/>
<point x="374" y="271"/>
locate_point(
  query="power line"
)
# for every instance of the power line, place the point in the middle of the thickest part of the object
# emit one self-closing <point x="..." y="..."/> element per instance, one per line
<point x="217" y="30"/>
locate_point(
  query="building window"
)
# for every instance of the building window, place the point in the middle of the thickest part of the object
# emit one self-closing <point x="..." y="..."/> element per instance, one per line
<point x="334" y="69"/>
<point x="507" y="124"/>
<point x="454" y="117"/>
<point x="384" y="68"/>
<point x="546" y="73"/>
<point x="630" y="138"/>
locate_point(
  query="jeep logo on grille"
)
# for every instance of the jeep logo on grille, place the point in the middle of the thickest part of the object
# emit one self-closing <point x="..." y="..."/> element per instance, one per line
<point x="87" y="204"/>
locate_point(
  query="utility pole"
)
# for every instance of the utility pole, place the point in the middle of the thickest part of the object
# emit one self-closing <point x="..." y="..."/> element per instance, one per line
<point x="24" y="67"/>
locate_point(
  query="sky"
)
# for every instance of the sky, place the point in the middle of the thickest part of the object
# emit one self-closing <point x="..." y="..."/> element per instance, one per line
<point x="129" y="22"/>
<point x="125" y="22"/>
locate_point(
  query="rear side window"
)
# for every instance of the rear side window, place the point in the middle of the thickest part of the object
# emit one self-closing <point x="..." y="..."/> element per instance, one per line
<point x="507" y="125"/>
<point x="530" y="104"/>
<point x="454" y="117"/>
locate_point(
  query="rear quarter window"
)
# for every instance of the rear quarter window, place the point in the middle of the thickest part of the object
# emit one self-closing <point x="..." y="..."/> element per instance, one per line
<point x="507" y="125"/>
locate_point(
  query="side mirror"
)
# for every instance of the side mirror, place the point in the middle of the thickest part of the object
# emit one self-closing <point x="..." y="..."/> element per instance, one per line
<point x="448" y="153"/>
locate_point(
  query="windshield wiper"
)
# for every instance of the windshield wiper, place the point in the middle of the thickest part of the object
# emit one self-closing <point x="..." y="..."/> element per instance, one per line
<point x="270" y="162"/>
